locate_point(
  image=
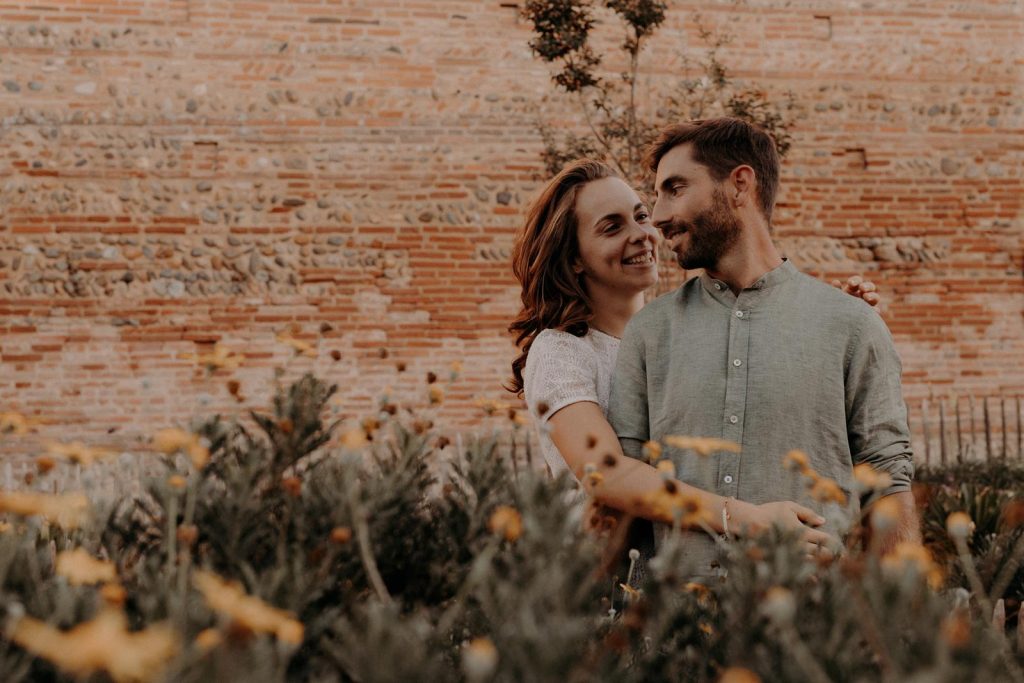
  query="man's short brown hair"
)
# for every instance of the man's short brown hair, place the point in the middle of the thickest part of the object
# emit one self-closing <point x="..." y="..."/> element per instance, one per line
<point x="721" y="145"/>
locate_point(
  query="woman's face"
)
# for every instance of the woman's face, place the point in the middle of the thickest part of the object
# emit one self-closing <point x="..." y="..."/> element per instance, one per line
<point x="618" y="244"/>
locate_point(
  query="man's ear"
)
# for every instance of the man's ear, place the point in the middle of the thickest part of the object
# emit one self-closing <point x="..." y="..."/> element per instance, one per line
<point x="744" y="185"/>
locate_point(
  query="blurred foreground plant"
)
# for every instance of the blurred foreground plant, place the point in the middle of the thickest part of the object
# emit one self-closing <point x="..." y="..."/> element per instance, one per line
<point x="287" y="548"/>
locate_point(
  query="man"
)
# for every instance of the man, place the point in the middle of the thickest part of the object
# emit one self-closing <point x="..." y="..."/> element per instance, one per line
<point x="752" y="350"/>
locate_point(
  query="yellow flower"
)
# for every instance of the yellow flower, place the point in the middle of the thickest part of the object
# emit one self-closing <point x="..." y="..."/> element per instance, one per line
<point x="913" y="557"/>
<point x="114" y="594"/>
<point x="80" y="568"/>
<point x="436" y="394"/>
<point x="490" y="406"/>
<point x="630" y="591"/>
<point x="702" y="445"/>
<point x="885" y="514"/>
<point x="220" y="358"/>
<point x="172" y="440"/>
<point x="177" y="482"/>
<point x="479" y="659"/>
<point x="103" y="644"/>
<point x="520" y="418"/>
<point x="705" y="598"/>
<point x="737" y="674"/>
<point x="797" y="460"/>
<point x="17" y="424"/>
<point x="68" y="511"/>
<point x="870" y="478"/>
<point x="353" y="439"/>
<point x="594" y="479"/>
<point x="667" y="501"/>
<point x="78" y="452"/>
<point x="825" y="490"/>
<point x="956" y="629"/>
<point x="667" y="467"/>
<point x="208" y="639"/>
<point x="456" y="367"/>
<point x="779" y="605"/>
<point x="229" y="599"/>
<point x="300" y="347"/>
<point x="506" y="521"/>
<point x="959" y="525"/>
<point x="341" y="535"/>
<point x="652" y="451"/>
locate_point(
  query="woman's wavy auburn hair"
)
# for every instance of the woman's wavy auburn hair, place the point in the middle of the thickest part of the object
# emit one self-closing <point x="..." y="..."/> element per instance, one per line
<point x="544" y="259"/>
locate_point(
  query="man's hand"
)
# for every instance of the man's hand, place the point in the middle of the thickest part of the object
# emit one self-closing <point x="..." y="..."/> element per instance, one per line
<point x="858" y="286"/>
<point x="755" y="519"/>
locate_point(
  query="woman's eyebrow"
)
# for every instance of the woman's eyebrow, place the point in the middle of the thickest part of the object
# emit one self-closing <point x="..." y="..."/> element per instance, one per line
<point x="614" y="216"/>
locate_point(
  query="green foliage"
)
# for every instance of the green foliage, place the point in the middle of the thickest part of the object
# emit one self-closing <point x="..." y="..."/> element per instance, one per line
<point x="618" y="129"/>
<point x="390" y="557"/>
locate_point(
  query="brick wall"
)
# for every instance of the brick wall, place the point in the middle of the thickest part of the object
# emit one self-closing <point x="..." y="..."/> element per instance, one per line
<point x="181" y="172"/>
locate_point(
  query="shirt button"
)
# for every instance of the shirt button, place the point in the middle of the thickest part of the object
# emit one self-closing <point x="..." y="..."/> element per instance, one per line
<point x="739" y="314"/>
<point x="737" y="362"/>
<point x="733" y="419"/>
<point x="727" y="479"/>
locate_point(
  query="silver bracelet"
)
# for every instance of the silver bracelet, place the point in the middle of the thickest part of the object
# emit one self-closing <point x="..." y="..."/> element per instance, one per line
<point x="726" y="516"/>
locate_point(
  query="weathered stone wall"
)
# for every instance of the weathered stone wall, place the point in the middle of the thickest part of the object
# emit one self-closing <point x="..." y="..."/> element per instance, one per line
<point x="175" y="173"/>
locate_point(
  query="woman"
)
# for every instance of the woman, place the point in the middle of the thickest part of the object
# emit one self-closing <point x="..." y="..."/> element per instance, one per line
<point x="585" y="257"/>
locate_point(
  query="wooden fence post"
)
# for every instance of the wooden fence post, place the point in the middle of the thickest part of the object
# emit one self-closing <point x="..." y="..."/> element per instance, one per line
<point x="927" y="437"/>
<point x="1002" y="417"/>
<point x="988" y="431"/>
<point x="974" y="430"/>
<point x="959" y="434"/>
<point x="942" y="432"/>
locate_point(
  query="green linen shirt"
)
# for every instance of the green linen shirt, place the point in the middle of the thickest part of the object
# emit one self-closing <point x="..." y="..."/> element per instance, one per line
<point x="790" y="363"/>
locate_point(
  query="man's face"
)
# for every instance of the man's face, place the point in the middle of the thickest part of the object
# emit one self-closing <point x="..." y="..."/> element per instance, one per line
<point x="692" y="211"/>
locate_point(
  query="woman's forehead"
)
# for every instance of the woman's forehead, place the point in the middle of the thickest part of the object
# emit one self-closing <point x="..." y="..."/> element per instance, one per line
<point x="605" y="196"/>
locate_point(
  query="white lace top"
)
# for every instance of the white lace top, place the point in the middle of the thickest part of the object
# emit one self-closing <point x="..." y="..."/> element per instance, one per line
<point x="563" y="369"/>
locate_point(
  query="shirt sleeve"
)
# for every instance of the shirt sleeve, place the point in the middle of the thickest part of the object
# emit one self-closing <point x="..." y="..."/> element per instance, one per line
<point x="627" y="406"/>
<point x="876" y="415"/>
<point x="560" y="370"/>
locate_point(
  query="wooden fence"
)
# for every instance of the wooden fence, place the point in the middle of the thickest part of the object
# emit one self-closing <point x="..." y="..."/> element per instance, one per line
<point x="967" y="428"/>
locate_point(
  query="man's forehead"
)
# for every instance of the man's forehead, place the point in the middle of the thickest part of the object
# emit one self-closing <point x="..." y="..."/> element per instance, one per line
<point x="678" y="161"/>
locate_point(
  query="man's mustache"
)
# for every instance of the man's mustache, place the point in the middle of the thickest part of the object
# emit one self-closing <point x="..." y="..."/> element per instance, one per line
<point x="673" y="228"/>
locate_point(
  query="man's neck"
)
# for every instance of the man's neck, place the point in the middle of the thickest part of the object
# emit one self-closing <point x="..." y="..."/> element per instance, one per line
<point x="749" y="259"/>
<point x="612" y="310"/>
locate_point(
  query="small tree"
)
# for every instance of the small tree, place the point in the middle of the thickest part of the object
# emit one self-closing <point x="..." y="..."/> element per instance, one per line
<point x="617" y="129"/>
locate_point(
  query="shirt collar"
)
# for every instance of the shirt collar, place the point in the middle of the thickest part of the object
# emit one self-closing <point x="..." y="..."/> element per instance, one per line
<point x="773" y="277"/>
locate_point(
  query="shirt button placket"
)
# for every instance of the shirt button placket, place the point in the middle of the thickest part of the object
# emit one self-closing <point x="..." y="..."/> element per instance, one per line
<point x="735" y="398"/>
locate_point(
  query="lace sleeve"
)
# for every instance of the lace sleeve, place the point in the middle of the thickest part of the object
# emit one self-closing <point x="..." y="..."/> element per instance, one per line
<point x="560" y="370"/>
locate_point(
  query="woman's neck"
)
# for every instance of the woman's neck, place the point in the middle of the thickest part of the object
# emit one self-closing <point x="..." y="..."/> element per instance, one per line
<point x="612" y="310"/>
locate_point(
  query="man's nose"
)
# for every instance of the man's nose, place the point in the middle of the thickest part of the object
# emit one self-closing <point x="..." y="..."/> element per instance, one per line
<point x="661" y="219"/>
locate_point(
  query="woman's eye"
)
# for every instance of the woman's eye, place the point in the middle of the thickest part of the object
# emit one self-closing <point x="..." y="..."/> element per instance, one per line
<point x="643" y="216"/>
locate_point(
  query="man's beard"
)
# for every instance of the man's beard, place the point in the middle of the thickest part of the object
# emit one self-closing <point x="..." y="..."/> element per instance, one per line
<point x="712" y="232"/>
